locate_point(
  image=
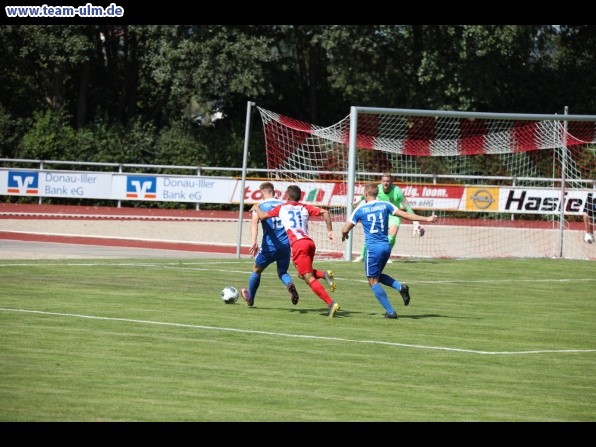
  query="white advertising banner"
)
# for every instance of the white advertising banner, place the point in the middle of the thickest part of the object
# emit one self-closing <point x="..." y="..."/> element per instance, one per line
<point x="165" y="188"/>
<point x="228" y="190"/>
<point x="69" y="184"/>
<point x="541" y="201"/>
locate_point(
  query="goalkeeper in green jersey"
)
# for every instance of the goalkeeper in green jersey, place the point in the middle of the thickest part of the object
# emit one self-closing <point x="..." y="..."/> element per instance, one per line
<point x="391" y="193"/>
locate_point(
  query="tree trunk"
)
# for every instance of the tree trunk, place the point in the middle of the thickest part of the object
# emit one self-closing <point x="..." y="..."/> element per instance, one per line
<point x="83" y="89"/>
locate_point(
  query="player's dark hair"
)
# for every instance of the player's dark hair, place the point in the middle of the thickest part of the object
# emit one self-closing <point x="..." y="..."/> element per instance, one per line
<point x="293" y="192"/>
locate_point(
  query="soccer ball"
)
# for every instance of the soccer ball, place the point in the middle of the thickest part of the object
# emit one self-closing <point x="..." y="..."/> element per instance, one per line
<point x="229" y="295"/>
<point x="588" y="238"/>
<point x="418" y="230"/>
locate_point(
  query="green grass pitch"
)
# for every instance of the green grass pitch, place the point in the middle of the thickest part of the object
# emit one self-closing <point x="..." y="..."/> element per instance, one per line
<point x="151" y="340"/>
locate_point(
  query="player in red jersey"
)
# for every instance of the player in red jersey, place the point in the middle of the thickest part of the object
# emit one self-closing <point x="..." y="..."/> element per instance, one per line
<point x="294" y="216"/>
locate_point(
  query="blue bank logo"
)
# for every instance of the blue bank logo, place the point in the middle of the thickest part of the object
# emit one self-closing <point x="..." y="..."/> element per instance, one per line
<point x="141" y="187"/>
<point x="23" y="183"/>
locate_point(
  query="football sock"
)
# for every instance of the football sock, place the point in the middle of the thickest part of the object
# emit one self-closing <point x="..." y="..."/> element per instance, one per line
<point x="253" y="284"/>
<point x="389" y="281"/>
<point x="320" y="291"/>
<point x="285" y="278"/>
<point x="319" y="274"/>
<point x="381" y="297"/>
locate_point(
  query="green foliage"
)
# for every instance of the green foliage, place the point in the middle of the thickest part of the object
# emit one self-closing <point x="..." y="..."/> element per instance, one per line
<point x="370" y="65"/>
<point x="8" y="134"/>
<point x="138" y="145"/>
<point x="134" y="143"/>
<point x="176" y="146"/>
<point x="131" y="92"/>
<point x="93" y="141"/>
<point x="226" y="144"/>
<point x="50" y="137"/>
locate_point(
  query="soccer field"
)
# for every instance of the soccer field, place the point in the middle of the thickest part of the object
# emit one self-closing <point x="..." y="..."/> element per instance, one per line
<point x="151" y="340"/>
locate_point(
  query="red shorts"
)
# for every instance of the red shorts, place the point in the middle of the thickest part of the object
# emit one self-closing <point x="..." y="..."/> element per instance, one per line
<point x="303" y="253"/>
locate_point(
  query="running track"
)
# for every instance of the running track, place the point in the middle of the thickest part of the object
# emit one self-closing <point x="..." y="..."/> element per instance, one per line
<point x="70" y="212"/>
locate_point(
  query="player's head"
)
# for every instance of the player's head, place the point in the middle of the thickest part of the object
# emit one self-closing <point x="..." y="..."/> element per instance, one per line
<point x="293" y="193"/>
<point x="387" y="182"/>
<point x="371" y="191"/>
<point x="267" y="189"/>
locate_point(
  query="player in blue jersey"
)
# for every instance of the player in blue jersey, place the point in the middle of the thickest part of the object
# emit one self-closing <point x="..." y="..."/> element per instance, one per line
<point x="275" y="247"/>
<point x="374" y="217"/>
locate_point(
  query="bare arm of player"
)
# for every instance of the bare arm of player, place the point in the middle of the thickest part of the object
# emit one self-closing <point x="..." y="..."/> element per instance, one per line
<point x="327" y="219"/>
<point x="345" y="231"/>
<point x="413" y="216"/>
<point x="262" y="214"/>
<point x="254" y="234"/>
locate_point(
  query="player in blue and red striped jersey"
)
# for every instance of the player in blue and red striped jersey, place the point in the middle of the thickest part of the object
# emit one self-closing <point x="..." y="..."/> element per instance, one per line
<point x="275" y="247"/>
<point x="374" y="217"/>
<point x="294" y="216"/>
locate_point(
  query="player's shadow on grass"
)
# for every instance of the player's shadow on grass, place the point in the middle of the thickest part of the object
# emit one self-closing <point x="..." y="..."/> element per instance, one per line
<point x="419" y="317"/>
<point x="415" y="261"/>
<point x="348" y="313"/>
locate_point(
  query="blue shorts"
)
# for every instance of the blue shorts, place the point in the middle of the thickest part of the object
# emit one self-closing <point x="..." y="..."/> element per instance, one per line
<point x="375" y="260"/>
<point x="281" y="257"/>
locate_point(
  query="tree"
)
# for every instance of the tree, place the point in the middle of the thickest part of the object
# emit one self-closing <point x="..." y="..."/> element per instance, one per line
<point x="121" y="87"/>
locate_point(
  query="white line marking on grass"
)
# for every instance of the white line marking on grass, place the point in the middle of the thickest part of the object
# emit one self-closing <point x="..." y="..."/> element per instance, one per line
<point x="516" y="280"/>
<point x="313" y="337"/>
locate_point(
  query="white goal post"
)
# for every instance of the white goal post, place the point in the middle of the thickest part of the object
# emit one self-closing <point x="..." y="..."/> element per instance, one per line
<point x="502" y="184"/>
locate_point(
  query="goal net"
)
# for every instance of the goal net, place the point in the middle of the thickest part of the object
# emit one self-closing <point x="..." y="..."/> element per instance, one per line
<point x="503" y="185"/>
